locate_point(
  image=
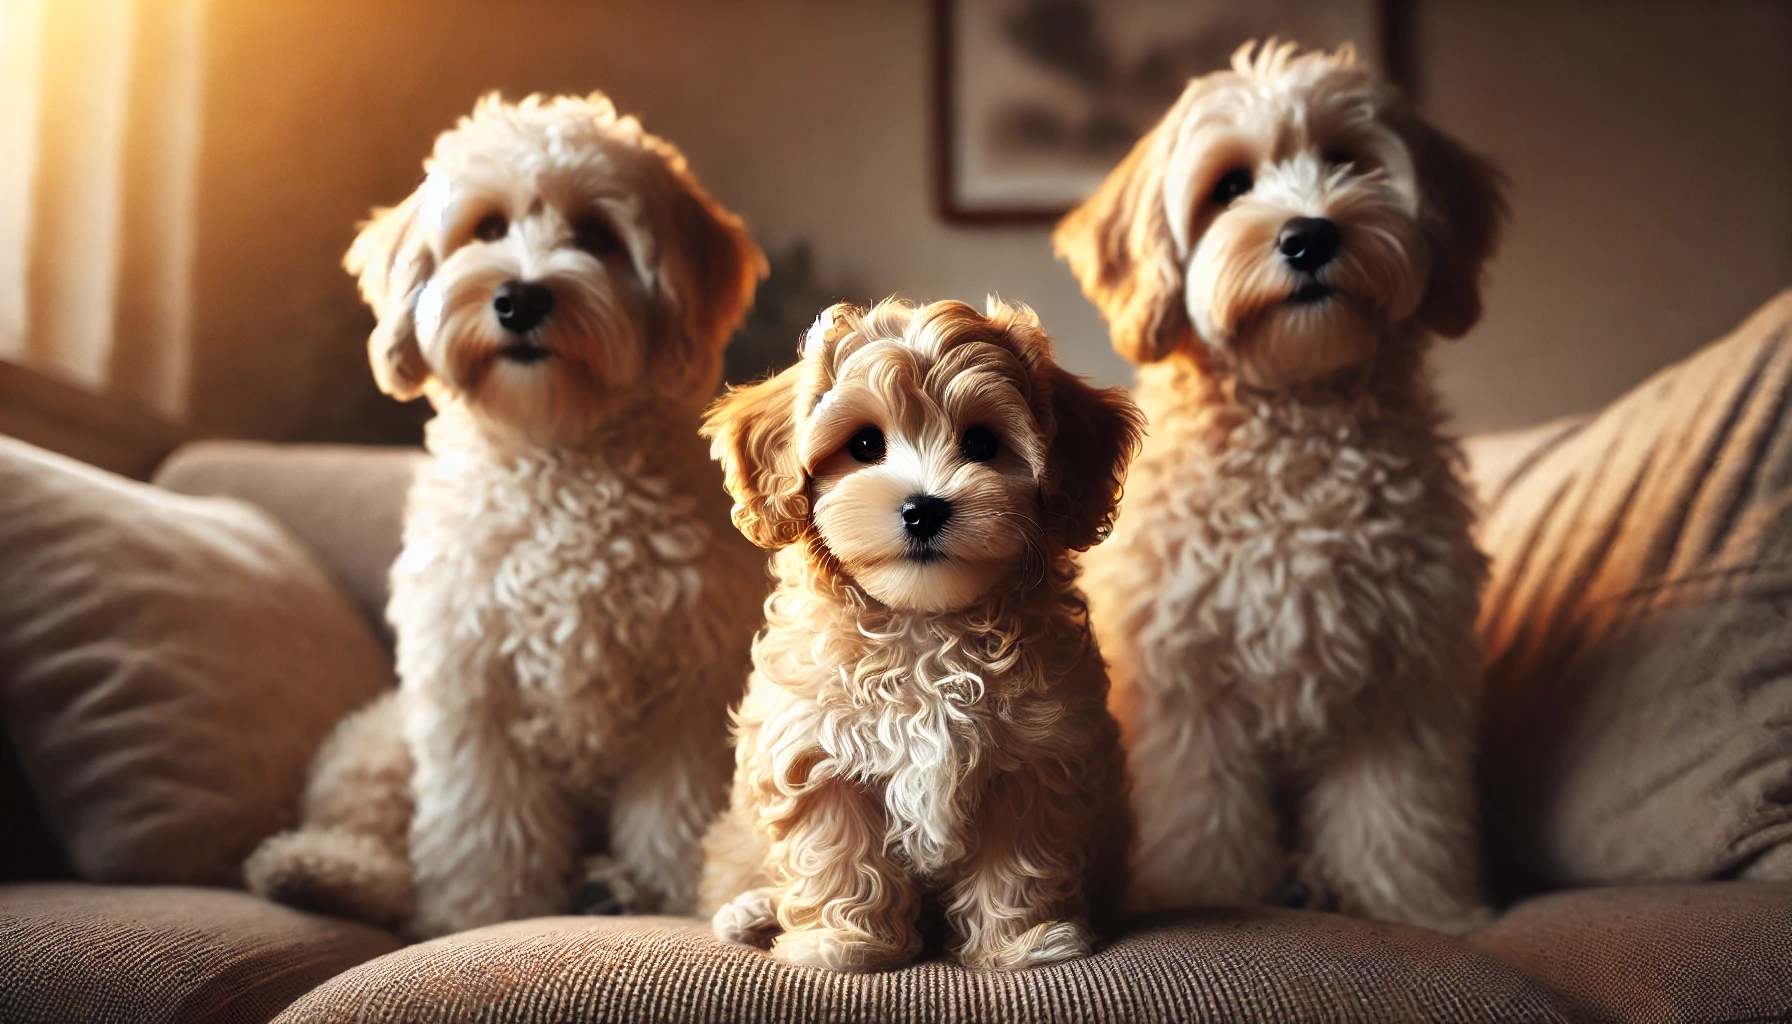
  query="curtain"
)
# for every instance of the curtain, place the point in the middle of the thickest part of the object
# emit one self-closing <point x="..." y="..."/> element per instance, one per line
<point x="99" y="148"/>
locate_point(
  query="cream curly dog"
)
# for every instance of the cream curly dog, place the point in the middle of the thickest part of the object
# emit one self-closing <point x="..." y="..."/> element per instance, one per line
<point x="1289" y="598"/>
<point x="926" y="712"/>
<point x="573" y="609"/>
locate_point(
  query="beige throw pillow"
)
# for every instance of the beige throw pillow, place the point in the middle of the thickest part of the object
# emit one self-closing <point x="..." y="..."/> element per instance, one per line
<point x="1638" y="626"/>
<point x="167" y="666"/>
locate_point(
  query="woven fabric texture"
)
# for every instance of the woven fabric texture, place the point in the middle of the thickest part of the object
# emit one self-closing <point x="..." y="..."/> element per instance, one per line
<point x="113" y="954"/>
<point x="1660" y="954"/>
<point x="1266" y="965"/>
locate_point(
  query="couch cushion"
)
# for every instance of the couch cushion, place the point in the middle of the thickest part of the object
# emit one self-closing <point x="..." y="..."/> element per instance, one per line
<point x="1262" y="965"/>
<point x="1683" y="953"/>
<point x="103" y="954"/>
<point x="167" y="667"/>
<point x="346" y="502"/>
<point x="1638" y="627"/>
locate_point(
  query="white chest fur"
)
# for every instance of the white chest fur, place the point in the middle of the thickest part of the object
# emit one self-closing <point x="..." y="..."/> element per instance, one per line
<point x="916" y="732"/>
<point x="565" y="585"/>
<point x="915" y="712"/>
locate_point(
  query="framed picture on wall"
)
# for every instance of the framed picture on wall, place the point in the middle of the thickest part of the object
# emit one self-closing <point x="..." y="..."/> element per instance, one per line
<point x="1036" y="100"/>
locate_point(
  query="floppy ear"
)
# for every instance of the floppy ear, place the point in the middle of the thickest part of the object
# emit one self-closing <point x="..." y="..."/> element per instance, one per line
<point x="1119" y="246"/>
<point x="708" y="271"/>
<point x="393" y="261"/>
<point x="1463" y="202"/>
<point x="1095" y="434"/>
<point x="752" y="433"/>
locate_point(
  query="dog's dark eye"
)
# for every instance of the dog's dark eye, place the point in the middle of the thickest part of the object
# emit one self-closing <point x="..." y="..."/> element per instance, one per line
<point x="591" y="234"/>
<point x="867" y="445"/>
<point x="979" y="444"/>
<point x="1232" y="185"/>
<point x="491" y="227"/>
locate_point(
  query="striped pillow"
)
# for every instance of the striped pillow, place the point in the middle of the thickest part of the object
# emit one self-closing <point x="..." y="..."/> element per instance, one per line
<point x="1638" y="628"/>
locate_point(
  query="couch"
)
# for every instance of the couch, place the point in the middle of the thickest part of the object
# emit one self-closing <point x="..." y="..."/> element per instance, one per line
<point x="1637" y="770"/>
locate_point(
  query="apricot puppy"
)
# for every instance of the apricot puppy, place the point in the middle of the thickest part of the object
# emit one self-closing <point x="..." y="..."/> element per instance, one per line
<point x="925" y="717"/>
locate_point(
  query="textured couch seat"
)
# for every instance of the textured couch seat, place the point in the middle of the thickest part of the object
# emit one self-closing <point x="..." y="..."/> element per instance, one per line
<point x="1257" y="965"/>
<point x="1720" y="951"/>
<point x="102" y="954"/>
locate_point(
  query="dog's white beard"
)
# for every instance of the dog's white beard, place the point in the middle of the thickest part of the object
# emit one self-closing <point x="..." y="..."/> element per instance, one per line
<point x="596" y="369"/>
<point x="1238" y="290"/>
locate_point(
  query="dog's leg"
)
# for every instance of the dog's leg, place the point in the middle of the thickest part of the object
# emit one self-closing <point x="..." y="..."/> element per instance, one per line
<point x="842" y="903"/>
<point x="348" y="856"/>
<point x="734" y="855"/>
<point x="1205" y="809"/>
<point x="492" y="839"/>
<point x="1391" y="822"/>
<point x="662" y="807"/>
<point x="1018" y="903"/>
<point x="734" y="891"/>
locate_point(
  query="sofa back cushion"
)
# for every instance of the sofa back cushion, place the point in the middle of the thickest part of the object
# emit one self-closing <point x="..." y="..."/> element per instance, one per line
<point x="168" y="665"/>
<point x="1638" y="628"/>
<point x="345" y="502"/>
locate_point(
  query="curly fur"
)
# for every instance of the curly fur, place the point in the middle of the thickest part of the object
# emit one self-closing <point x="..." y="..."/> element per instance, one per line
<point x="349" y="859"/>
<point x="573" y="611"/>
<point x="938" y="732"/>
<point x="1289" y="597"/>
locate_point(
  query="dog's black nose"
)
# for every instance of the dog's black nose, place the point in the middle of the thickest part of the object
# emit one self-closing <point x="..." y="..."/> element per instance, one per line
<point x="521" y="305"/>
<point x="925" y="515"/>
<point x="1308" y="243"/>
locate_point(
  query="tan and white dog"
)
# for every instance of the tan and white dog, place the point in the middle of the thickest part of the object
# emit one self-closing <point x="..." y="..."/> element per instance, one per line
<point x="926" y="716"/>
<point x="573" y="608"/>
<point x="1288" y="601"/>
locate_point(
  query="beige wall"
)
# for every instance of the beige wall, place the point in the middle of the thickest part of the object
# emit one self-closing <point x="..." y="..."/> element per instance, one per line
<point x="1650" y="146"/>
<point x="1650" y="149"/>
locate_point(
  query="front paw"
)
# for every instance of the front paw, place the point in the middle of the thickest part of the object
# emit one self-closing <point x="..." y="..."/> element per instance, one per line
<point x="331" y="871"/>
<point x="1052" y="942"/>
<point x="839" y="949"/>
<point x="748" y="919"/>
<point x="604" y="888"/>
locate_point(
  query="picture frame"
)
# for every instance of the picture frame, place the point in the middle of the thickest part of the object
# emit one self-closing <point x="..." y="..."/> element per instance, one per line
<point x="1059" y="90"/>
